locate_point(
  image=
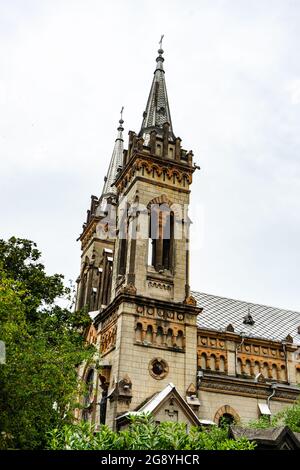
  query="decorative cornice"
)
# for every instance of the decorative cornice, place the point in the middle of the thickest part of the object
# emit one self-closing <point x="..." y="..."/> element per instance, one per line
<point x="153" y="164"/>
<point x="232" y="386"/>
<point x="235" y="337"/>
<point x="88" y="231"/>
<point x="140" y="300"/>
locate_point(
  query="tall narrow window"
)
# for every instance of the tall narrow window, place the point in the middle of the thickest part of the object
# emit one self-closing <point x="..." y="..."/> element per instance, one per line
<point x="88" y="396"/>
<point x="161" y="237"/>
<point x="123" y="256"/>
<point x="123" y="243"/>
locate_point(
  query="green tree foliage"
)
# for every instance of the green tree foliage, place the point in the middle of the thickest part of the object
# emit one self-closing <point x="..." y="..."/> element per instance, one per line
<point x="144" y="434"/>
<point x="289" y="416"/>
<point x="44" y="344"/>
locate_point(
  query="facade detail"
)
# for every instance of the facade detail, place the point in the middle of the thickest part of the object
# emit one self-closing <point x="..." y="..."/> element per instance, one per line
<point x="162" y="348"/>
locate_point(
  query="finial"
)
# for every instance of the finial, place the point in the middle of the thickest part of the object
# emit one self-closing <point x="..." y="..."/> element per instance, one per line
<point x="160" y="59"/>
<point x="160" y="51"/>
<point x="248" y="319"/>
<point x="121" y="114"/>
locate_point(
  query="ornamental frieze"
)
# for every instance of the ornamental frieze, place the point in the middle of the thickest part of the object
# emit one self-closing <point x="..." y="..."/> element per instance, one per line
<point x="211" y="342"/>
<point x="151" y="332"/>
<point x="110" y="319"/>
<point x="160" y="285"/>
<point x="160" y="313"/>
<point x="151" y="168"/>
<point x="246" y="390"/>
<point x="108" y="338"/>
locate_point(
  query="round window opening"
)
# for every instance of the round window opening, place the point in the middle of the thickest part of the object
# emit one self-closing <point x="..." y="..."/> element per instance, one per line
<point x="158" y="368"/>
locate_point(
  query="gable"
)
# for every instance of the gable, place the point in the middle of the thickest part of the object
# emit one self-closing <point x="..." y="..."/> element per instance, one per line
<point x="166" y="405"/>
<point x="174" y="410"/>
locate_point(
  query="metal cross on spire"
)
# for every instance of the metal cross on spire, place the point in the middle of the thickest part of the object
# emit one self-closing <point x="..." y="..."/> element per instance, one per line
<point x="160" y="42"/>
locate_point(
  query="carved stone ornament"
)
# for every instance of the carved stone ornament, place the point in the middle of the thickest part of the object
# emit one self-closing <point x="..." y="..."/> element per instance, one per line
<point x="230" y="328"/>
<point x="190" y="300"/>
<point x="191" y="390"/>
<point x="289" y="339"/>
<point x="129" y="289"/>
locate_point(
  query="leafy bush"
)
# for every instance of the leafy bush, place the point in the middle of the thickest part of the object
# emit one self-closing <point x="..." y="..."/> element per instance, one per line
<point x="144" y="434"/>
<point x="289" y="416"/>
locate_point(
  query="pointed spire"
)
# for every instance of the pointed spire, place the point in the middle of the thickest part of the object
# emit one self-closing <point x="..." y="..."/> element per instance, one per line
<point x="157" y="111"/>
<point x="115" y="162"/>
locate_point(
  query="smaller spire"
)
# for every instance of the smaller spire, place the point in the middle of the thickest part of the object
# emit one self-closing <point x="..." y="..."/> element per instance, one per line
<point x="115" y="162"/>
<point x="121" y="128"/>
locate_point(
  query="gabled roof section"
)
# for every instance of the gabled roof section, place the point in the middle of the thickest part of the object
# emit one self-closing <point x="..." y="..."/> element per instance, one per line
<point x="157" y="111"/>
<point x="153" y="404"/>
<point x="268" y="322"/>
<point x="268" y="438"/>
<point x="116" y="162"/>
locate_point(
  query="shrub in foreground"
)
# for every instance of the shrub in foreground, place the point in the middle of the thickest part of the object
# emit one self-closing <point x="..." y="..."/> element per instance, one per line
<point x="144" y="434"/>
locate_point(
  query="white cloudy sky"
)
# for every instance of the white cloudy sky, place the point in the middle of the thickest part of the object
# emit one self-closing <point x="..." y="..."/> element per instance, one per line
<point x="233" y="77"/>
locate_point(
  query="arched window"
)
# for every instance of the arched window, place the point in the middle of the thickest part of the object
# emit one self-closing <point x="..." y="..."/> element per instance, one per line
<point x="222" y="364"/>
<point x="159" y="336"/>
<point x="179" y="339"/>
<point x="212" y="362"/>
<point x="88" y="396"/>
<point x="138" y="332"/>
<point x="203" y="361"/>
<point x="239" y="366"/>
<point x="123" y="256"/>
<point x="256" y="368"/>
<point x="161" y="234"/>
<point x="83" y="284"/>
<point x="226" y="420"/>
<point x="226" y="415"/>
<point x="282" y="374"/>
<point x="265" y="370"/>
<point x="274" y="371"/>
<point x="248" y="367"/>
<point x="123" y="242"/>
<point x="149" y="334"/>
<point x="169" y="337"/>
<point x="298" y="375"/>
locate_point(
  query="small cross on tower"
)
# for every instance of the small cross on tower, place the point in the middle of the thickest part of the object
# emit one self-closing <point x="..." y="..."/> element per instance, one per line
<point x="160" y="42"/>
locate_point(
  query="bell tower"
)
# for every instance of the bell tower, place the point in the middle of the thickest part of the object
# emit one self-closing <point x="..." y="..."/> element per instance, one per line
<point x="154" y="190"/>
<point x="147" y="332"/>
<point x="97" y="244"/>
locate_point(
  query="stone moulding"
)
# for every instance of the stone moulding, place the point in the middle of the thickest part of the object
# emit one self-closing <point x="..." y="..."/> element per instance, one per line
<point x="158" y="168"/>
<point x="252" y="390"/>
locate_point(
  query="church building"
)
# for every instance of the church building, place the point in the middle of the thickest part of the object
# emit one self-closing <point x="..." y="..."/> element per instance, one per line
<point x="161" y="347"/>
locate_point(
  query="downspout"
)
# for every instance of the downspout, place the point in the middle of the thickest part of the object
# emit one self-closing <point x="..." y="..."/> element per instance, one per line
<point x="273" y="388"/>
<point x="286" y="362"/>
<point x="238" y="347"/>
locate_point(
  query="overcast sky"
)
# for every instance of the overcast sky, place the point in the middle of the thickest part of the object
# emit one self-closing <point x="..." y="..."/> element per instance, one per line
<point x="233" y="79"/>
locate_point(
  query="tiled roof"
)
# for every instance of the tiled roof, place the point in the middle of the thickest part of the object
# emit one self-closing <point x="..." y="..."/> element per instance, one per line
<point x="269" y="322"/>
